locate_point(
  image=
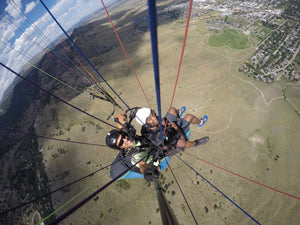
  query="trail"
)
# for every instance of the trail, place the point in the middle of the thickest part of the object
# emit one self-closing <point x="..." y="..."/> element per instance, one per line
<point x="39" y="215"/>
<point x="222" y="129"/>
<point x="267" y="103"/>
<point x="288" y="101"/>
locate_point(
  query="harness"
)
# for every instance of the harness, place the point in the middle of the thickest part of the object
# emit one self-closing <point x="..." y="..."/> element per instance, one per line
<point x="170" y="136"/>
<point x="150" y="140"/>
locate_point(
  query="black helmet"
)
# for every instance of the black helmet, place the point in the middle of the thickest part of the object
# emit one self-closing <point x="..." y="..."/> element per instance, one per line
<point x="111" y="139"/>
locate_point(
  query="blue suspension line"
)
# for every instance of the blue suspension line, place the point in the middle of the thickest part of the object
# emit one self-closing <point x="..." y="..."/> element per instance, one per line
<point x="183" y="194"/>
<point x="219" y="191"/>
<point x="153" y="31"/>
<point x="82" y="53"/>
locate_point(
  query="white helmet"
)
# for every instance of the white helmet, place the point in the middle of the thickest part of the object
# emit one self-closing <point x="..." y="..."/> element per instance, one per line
<point x="142" y="115"/>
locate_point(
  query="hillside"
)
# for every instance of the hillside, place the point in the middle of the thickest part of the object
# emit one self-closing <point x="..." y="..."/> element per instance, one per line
<point x="23" y="163"/>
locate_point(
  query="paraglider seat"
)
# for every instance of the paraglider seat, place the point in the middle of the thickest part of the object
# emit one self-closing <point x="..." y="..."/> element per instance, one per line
<point x="134" y="175"/>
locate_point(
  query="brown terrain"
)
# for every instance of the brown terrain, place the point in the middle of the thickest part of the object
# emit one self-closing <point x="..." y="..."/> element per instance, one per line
<point x="253" y="129"/>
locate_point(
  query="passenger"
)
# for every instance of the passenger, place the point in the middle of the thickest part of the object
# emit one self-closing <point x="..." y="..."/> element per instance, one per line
<point x="176" y="130"/>
<point x="134" y="148"/>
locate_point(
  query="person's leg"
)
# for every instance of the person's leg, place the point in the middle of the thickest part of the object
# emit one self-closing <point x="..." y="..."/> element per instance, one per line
<point x="119" y="166"/>
<point x="173" y="111"/>
<point x="189" y="144"/>
<point x="180" y="146"/>
<point x="192" y="119"/>
<point x="184" y="126"/>
<point x="164" y="162"/>
<point x="177" y="112"/>
<point x="195" y="120"/>
<point x="172" y="114"/>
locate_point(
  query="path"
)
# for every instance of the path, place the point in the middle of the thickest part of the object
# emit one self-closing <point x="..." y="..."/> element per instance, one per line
<point x="267" y="103"/>
<point x="40" y="218"/>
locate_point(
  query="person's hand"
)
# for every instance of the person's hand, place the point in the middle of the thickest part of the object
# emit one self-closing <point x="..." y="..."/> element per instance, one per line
<point x="173" y="125"/>
<point x="163" y="122"/>
<point x="148" y="175"/>
<point x="122" y="118"/>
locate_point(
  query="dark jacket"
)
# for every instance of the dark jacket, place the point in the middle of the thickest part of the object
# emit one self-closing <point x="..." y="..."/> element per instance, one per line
<point x="170" y="136"/>
<point x="123" y="161"/>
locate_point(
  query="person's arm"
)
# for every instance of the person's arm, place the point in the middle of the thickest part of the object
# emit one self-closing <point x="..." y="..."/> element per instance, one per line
<point x="143" y="166"/>
<point x="174" y="125"/>
<point x="121" y="121"/>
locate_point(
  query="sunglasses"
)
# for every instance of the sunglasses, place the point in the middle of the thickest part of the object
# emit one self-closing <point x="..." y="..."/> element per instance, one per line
<point x="121" y="142"/>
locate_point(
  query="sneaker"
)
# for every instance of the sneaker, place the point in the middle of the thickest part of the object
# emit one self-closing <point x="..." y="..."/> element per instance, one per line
<point x="203" y="121"/>
<point x="181" y="111"/>
<point x="201" y="141"/>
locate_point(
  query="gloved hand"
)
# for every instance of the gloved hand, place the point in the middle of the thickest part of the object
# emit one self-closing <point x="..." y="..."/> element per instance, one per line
<point x="148" y="175"/>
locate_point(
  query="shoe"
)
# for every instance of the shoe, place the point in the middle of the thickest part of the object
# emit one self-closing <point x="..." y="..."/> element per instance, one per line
<point x="203" y="121"/>
<point x="201" y="141"/>
<point x="181" y="111"/>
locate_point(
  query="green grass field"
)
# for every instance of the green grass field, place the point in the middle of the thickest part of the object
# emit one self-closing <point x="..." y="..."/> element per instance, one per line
<point x="230" y="38"/>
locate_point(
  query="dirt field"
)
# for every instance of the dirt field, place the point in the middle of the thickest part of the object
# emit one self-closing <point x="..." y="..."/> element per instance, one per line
<point x="253" y="132"/>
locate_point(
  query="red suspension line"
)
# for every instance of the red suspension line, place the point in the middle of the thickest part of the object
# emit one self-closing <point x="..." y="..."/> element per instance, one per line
<point x="125" y="53"/>
<point x="30" y="21"/>
<point x="58" y="98"/>
<point x="64" y="45"/>
<point x="42" y="48"/>
<point x="181" y="57"/>
<point x="245" y="178"/>
<point x="77" y="60"/>
<point x="182" y="51"/>
<point x="42" y="71"/>
<point x="198" y="189"/>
